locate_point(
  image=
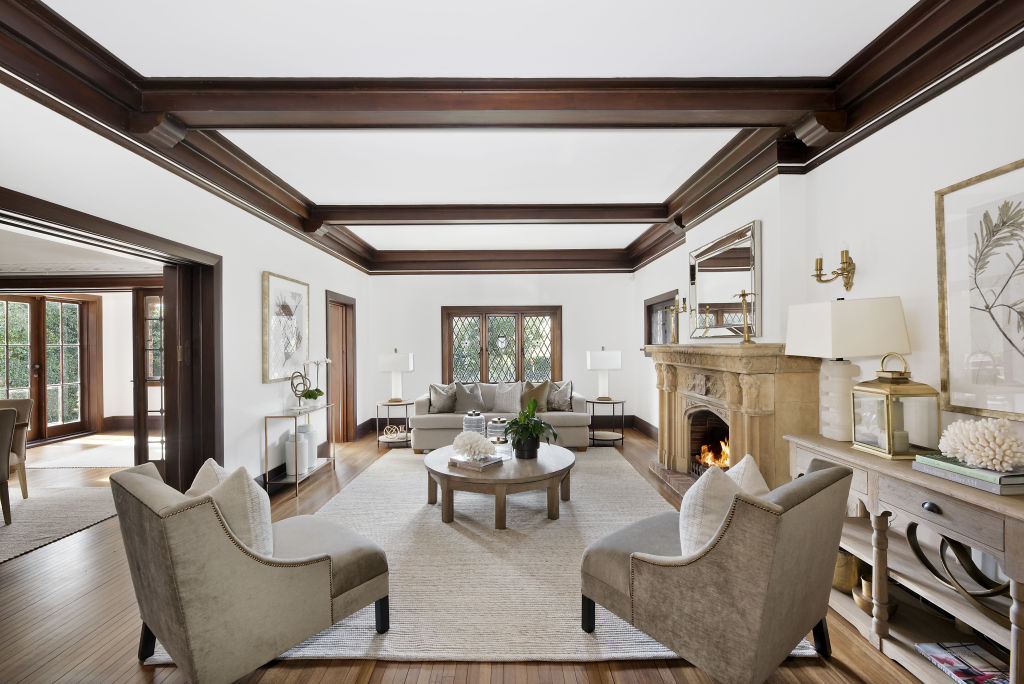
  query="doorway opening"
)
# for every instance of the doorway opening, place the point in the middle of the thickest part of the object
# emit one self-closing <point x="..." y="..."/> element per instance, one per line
<point x="341" y="372"/>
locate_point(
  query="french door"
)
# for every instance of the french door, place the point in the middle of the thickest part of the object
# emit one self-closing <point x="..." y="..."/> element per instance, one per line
<point x="44" y="356"/>
<point x="150" y="399"/>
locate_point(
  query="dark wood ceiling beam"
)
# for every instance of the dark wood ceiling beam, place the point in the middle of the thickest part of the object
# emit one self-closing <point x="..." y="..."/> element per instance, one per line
<point x="506" y="261"/>
<point x="363" y="103"/>
<point x="453" y="214"/>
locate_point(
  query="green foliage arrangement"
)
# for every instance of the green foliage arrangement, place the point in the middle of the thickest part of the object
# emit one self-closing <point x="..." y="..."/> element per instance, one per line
<point x="313" y="394"/>
<point x="527" y="426"/>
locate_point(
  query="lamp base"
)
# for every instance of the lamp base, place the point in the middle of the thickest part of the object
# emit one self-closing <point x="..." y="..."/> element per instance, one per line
<point x="395" y="400"/>
<point x="603" y="399"/>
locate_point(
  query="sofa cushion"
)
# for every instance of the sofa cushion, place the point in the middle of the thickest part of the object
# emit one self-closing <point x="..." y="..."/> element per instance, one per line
<point x="354" y="558"/>
<point x="535" y="390"/>
<point x="506" y="397"/>
<point x="565" y="418"/>
<point x="246" y="510"/>
<point x="434" y="421"/>
<point x="442" y="398"/>
<point x="468" y="398"/>
<point x="487" y="390"/>
<point x="748" y="476"/>
<point x="607" y="559"/>
<point x="560" y="396"/>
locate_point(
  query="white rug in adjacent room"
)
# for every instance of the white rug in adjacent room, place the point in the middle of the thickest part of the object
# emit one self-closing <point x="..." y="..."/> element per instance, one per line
<point x="49" y="514"/>
<point x="465" y="591"/>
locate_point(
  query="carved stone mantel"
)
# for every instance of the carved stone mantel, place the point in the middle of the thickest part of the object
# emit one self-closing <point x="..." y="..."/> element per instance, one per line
<point x="759" y="391"/>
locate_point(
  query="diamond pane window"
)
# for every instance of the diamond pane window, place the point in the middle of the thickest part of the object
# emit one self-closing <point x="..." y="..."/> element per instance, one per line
<point x="732" y="319"/>
<point x="536" y="348"/>
<point x="501" y="349"/>
<point x="465" y="348"/>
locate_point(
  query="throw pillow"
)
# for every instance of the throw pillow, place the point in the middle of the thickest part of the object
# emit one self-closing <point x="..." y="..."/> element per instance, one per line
<point x="506" y="397"/>
<point x="209" y="476"/>
<point x="442" y="398"/>
<point x="560" y="398"/>
<point x="748" y="476"/>
<point x="703" y="509"/>
<point x="538" y="391"/>
<point x="468" y="398"/>
<point x="246" y="510"/>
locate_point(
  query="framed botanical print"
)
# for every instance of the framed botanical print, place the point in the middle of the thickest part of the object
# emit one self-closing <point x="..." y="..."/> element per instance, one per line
<point x="285" y="326"/>
<point x="980" y="234"/>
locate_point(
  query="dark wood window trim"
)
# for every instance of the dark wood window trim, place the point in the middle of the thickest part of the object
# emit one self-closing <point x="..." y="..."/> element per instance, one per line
<point x="447" y="312"/>
<point x="649" y="304"/>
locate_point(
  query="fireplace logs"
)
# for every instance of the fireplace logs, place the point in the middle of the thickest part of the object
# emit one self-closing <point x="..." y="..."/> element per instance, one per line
<point x="709" y="442"/>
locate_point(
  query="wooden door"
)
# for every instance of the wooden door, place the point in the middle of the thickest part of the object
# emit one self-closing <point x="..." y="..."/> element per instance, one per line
<point x="341" y="373"/>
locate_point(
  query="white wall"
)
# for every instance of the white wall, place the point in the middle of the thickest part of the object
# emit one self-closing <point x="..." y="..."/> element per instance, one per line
<point x="117" y="354"/>
<point x="48" y="156"/>
<point x="407" y="315"/>
<point x="878" y="200"/>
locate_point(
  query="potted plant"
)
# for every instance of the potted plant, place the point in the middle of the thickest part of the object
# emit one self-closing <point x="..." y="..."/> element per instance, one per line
<point x="313" y="394"/>
<point x="525" y="430"/>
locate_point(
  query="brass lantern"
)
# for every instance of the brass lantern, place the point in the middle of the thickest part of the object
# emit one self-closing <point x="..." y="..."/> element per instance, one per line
<point x="894" y="417"/>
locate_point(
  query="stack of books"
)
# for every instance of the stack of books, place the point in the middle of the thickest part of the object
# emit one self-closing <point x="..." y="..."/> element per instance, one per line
<point x="1006" y="484"/>
<point x="965" y="662"/>
<point x="479" y="466"/>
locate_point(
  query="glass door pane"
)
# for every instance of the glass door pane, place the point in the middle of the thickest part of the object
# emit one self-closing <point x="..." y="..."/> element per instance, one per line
<point x="16" y="382"/>
<point x="63" y="396"/>
<point x="153" y="377"/>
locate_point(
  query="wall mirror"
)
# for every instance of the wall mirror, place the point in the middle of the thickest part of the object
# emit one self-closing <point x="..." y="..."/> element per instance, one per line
<point x="718" y="272"/>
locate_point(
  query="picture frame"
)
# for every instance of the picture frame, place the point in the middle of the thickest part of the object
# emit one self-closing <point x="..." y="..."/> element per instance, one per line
<point x="285" y="326"/>
<point x="980" y="247"/>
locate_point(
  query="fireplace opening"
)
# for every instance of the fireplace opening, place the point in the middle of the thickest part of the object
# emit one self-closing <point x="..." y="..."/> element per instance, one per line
<point x="709" y="442"/>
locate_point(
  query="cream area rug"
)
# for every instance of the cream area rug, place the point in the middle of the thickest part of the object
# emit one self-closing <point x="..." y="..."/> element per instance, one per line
<point x="49" y="514"/>
<point x="92" y="451"/>
<point x="465" y="591"/>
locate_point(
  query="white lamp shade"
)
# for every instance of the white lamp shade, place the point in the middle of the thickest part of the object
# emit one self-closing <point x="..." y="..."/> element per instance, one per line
<point x="395" y="362"/>
<point x="604" y="360"/>
<point x="847" y="328"/>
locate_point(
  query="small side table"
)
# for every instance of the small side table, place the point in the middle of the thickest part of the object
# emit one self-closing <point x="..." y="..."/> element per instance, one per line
<point x="607" y="437"/>
<point x="403" y="438"/>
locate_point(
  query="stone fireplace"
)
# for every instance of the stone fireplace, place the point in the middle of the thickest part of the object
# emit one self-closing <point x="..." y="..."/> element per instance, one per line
<point x="732" y="399"/>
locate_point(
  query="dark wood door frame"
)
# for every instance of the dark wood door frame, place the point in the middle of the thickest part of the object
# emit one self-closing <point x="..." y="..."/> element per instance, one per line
<point x="343" y="426"/>
<point x="195" y="429"/>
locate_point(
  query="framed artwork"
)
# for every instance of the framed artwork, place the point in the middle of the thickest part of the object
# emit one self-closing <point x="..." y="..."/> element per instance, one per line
<point x="980" y="235"/>
<point x="285" y="326"/>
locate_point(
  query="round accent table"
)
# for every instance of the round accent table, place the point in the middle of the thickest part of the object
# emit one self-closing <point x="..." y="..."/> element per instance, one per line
<point x="550" y="470"/>
<point x="607" y="437"/>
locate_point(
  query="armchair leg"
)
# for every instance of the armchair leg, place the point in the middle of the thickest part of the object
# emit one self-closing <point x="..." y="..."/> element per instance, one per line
<point x="821" y="641"/>
<point x="5" y="502"/>
<point x="147" y="642"/>
<point x="22" y="480"/>
<point x="587" y="619"/>
<point x="382" y="614"/>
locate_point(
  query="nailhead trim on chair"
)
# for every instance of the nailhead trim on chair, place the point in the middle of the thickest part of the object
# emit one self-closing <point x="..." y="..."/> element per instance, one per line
<point x="725" y="528"/>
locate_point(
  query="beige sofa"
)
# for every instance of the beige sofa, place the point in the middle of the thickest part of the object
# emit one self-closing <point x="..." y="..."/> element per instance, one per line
<point x="435" y="430"/>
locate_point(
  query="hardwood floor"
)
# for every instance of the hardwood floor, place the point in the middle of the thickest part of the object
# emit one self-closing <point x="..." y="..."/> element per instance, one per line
<point x="69" y="614"/>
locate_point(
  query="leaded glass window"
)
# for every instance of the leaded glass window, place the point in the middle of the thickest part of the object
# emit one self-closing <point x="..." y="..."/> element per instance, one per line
<point x="503" y="345"/>
<point x="501" y="348"/>
<point x="465" y="348"/>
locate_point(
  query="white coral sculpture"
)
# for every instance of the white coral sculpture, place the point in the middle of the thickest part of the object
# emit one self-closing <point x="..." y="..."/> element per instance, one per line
<point x="473" y="445"/>
<point x="990" y="443"/>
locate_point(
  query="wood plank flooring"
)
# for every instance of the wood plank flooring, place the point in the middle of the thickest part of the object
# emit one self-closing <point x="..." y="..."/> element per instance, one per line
<point x="68" y="614"/>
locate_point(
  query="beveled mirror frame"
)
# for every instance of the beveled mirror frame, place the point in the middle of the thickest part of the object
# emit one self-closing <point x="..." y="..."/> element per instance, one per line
<point x="751" y="231"/>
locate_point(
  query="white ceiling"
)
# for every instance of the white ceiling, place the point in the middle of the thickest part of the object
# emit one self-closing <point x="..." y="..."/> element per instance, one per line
<point x="474" y="38"/>
<point x="531" y="236"/>
<point x="483" y="166"/>
<point x="26" y="253"/>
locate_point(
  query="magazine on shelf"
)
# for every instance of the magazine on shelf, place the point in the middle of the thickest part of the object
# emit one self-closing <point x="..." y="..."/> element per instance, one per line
<point x="1015" y="476"/>
<point x="966" y="662"/>
<point x="992" y="487"/>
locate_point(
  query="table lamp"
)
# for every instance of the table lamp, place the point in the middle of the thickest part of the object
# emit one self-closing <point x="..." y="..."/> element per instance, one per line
<point x="841" y="329"/>
<point x="396" y="364"/>
<point x="603" y="361"/>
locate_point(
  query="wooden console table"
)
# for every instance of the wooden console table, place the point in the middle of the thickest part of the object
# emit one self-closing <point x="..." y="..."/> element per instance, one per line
<point x="885" y="498"/>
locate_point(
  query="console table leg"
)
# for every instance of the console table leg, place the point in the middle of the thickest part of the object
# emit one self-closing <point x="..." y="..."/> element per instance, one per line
<point x="447" y="503"/>
<point x="565" y="487"/>
<point x="880" y="575"/>
<point x="431" y="490"/>
<point x="499" y="507"/>
<point x="1016" y="634"/>
<point x="553" y="501"/>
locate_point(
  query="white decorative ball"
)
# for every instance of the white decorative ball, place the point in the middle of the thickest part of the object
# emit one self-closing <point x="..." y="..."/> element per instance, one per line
<point x="992" y="443"/>
<point x="473" y="445"/>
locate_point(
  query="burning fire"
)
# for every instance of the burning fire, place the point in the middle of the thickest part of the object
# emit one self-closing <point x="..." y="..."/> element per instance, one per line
<point x="708" y="457"/>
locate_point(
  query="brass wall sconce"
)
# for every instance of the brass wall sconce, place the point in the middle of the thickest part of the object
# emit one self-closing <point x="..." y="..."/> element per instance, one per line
<point x="845" y="270"/>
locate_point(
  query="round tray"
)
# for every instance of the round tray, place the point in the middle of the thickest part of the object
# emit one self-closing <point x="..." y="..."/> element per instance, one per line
<point x="606" y="436"/>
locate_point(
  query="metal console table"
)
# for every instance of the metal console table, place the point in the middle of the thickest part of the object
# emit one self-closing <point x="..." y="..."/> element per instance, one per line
<point x="318" y="463"/>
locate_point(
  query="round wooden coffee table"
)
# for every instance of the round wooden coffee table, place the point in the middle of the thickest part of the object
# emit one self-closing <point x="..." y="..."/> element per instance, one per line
<point x="550" y="470"/>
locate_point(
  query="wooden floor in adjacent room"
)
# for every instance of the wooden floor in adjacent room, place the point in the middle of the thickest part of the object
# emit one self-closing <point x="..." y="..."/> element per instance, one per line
<point x="68" y="614"/>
